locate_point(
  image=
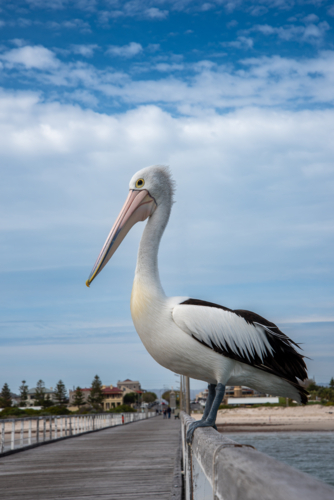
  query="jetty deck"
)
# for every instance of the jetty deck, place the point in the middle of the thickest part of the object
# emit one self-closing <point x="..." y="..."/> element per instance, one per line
<point x="134" y="461"/>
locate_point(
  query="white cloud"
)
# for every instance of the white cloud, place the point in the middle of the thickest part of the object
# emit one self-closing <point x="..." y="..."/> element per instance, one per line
<point x="261" y="81"/>
<point x="165" y="67"/>
<point x="84" y="50"/>
<point x="79" y="24"/>
<point x="49" y="4"/>
<point x="242" y="42"/>
<point x="258" y="10"/>
<point x="130" y="50"/>
<point x="311" y="18"/>
<point x="207" y="6"/>
<point x="153" y="47"/>
<point x="154" y="13"/>
<point x="18" y="42"/>
<point x="36" y="57"/>
<point x="310" y="32"/>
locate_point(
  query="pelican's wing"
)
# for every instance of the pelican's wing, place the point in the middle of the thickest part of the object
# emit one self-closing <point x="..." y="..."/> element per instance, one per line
<point x="243" y="336"/>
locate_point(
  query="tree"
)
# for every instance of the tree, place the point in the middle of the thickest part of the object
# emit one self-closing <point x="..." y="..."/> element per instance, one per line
<point x="312" y="387"/>
<point x="331" y="383"/>
<point x="40" y="393"/>
<point x="47" y="401"/>
<point x="60" y="393"/>
<point x="149" y="397"/>
<point x="130" y="398"/>
<point x="5" y="397"/>
<point x="23" y="393"/>
<point x="96" y="395"/>
<point x="78" y="399"/>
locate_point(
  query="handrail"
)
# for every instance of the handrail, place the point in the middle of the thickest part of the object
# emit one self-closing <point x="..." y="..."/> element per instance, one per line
<point x="219" y="468"/>
<point x="22" y="433"/>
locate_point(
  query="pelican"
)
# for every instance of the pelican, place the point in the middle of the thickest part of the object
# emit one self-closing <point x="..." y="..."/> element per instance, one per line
<point x="192" y="337"/>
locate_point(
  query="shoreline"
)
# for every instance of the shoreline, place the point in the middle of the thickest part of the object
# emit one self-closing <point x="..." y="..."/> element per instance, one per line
<point x="275" y="419"/>
<point x="243" y="428"/>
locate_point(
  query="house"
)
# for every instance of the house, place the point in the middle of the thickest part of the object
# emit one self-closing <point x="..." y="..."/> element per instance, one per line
<point x="85" y="393"/>
<point x="31" y="397"/>
<point x="112" y="397"/>
<point x="133" y="385"/>
<point x="235" y="391"/>
<point x="16" y="399"/>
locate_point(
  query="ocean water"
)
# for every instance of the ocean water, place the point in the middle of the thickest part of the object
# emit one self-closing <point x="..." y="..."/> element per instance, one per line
<point x="310" y="452"/>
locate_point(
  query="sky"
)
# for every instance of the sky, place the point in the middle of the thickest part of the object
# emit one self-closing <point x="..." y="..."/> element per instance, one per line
<point x="237" y="98"/>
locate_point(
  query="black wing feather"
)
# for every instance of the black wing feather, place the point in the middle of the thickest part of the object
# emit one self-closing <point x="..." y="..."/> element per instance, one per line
<point x="285" y="362"/>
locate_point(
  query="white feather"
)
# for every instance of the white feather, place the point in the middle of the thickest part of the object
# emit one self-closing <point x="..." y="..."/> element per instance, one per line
<point x="224" y="329"/>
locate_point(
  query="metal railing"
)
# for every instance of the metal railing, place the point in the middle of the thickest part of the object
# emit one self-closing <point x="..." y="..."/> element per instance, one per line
<point x="20" y="433"/>
<point x="218" y="468"/>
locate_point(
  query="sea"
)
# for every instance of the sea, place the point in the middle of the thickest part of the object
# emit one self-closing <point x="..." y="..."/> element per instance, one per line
<point x="310" y="452"/>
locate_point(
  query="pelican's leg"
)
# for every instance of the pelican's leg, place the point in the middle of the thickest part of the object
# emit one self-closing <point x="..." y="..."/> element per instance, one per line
<point x="212" y="415"/>
<point x="208" y="404"/>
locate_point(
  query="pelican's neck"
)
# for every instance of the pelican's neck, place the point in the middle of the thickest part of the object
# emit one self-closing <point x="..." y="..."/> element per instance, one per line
<point x="147" y="272"/>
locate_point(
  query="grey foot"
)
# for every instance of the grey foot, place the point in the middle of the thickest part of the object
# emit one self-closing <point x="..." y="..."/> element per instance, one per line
<point x="195" y="425"/>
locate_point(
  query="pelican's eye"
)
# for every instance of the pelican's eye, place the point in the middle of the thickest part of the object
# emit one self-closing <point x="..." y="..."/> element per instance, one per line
<point x="140" y="183"/>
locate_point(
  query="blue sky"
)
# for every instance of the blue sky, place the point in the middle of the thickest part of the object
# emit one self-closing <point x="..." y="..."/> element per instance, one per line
<point x="237" y="98"/>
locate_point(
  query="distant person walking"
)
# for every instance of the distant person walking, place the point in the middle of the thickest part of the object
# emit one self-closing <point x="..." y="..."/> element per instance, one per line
<point x="164" y="414"/>
<point x="169" y="411"/>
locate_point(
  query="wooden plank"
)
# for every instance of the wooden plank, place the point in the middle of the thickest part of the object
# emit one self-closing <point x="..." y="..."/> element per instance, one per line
<point x="134" y="461"/>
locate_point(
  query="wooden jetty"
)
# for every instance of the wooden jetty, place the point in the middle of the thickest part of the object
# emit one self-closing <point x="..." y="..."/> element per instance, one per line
<point x="134" y="461"/>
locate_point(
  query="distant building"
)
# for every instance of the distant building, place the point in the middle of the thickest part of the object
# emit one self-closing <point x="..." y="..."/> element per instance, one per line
<point x="31" y="399"/>
<point x="202" y="396"/>
<point x="16" y="399"/>
<point x="112" y="397"/>
<point x="133" y="385"/>
<point x="85" y="393"/>
<point x="234" y="391"/>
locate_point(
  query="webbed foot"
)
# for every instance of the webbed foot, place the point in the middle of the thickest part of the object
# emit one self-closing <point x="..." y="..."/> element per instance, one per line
<point x="195" y="425"/>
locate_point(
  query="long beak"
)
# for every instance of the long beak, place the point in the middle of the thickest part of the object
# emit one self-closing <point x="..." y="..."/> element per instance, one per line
<point x="138" y="206"/>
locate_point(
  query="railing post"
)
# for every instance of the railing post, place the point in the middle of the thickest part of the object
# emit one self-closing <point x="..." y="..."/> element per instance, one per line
<point x="61" y="426"/>
<point x="56" y="434"/>
<point x="37" y="431"/>
<point x="50" y="428"/>
<point x="44" y="429"/>
<point x="29" y="431"/>
<point x="187" y="384"/>
<point x="21" y="433"/>
<point x="65" y="426"/>
<point x="2" y="446"/>
<point x="12" y="440"/>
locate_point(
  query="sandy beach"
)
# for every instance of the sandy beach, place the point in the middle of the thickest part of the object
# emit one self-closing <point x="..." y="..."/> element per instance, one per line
<point x="264" y="419"/>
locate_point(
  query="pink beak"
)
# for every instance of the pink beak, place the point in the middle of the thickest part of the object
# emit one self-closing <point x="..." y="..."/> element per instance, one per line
<point x="138" y="206"/>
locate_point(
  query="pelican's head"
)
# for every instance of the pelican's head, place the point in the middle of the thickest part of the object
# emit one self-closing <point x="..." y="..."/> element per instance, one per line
<point x="149" y="188"/>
